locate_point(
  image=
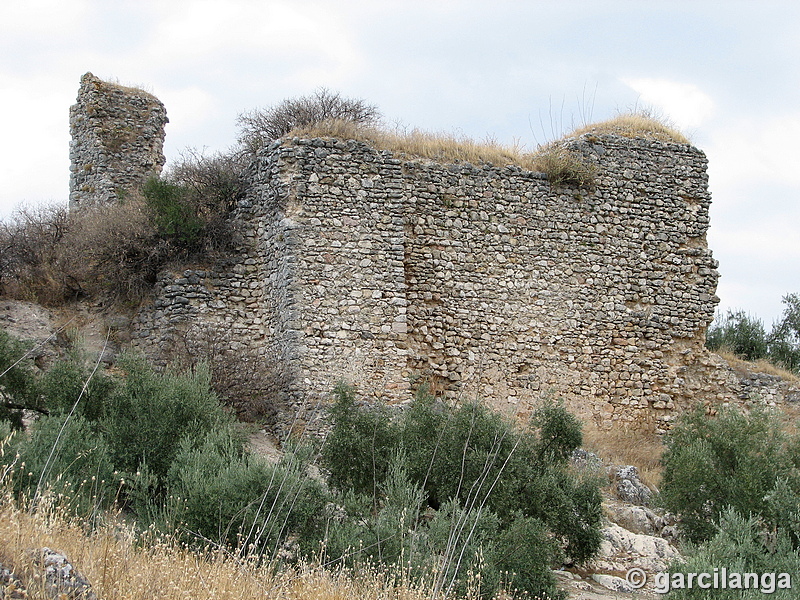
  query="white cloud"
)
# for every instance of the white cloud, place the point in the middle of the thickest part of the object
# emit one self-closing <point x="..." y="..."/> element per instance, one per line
<point x="315" y="41"/>
<point x="187" y="108"/>
<point x="38" y="167"/>
<point x="41" y="17"/>
<point x="755" y="149"/>
<point x="685" y="103"/>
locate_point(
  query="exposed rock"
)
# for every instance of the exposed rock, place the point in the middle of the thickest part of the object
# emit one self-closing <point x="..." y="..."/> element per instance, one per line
<point x="11" y="587"/>
<point x="628" y="486"/>
<point x="62" y="580"/>
<point x="639" y="519"/>
<point x="612" y="582"/>
<point x="622" y="550"/>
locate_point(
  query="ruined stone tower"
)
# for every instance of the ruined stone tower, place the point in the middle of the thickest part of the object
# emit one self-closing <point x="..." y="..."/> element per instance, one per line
<point x="117" y="141"/>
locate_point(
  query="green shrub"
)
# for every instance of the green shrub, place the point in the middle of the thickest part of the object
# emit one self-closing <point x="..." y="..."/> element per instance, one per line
<point x="18" y="385"/>
<point x="739" y="333"/>
<point x="472" y="467"/>
<point x="784" y="339"/>
<point x="731" y="460"/>
<point x="150" y="414"/>
<point x="174" y="217"/>
<point x="68" y="456"/>
<point x="360" y="445"/>
<point x="227" y="495"/>
<point x="741" y="545"/>
<point x="518" y="555"/>
<point x="68" y="380"/>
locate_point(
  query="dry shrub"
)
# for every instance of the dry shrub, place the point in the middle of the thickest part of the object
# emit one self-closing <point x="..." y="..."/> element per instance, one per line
<point x="637" y="124"/>
<point x="239" y="377"/>
<point x="52" y="255"/>
<point x="259" y="127"/>
<point x="114" y="250"/>
<point x="31" y="255"/>
<point x="624" y="447"/>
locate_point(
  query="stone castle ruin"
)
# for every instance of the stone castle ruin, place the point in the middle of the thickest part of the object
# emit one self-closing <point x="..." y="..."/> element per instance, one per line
<point x="117" y="141"/>
<point x="390" y="273"/>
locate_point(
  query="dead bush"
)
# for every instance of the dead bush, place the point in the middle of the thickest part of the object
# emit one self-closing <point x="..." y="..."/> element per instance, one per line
<point x="32" y="265"/>
<point x="239" y="377"/>
<point x="115" y="251"/>
<point x="259" y="127"/>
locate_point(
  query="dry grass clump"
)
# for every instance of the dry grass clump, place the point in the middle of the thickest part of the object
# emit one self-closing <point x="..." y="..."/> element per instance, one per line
<point x="561" y="165"/>
<point x="440" y="147"/>
<point x="624" y="447"/>
<point x="761" y="365"/>
<point x="638" y="124"/>
<point x="121" y="568"/>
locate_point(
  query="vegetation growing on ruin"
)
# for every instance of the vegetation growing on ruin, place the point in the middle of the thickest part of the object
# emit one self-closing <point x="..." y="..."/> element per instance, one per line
<point x="734" y="481"/>
<point x="635" y="124"/>
<point x="745" y="337"/>
<point x="482" y="506"/>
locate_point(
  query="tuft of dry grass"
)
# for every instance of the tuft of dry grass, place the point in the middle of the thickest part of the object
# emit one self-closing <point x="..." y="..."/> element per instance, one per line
<point x="120" y="567"/>
<point x="623" y="447"/>
<point x="637" y="124"/>
<point x="757" y="366"/>
<point x="439" y="147"/>
<point x="559" y="164"/>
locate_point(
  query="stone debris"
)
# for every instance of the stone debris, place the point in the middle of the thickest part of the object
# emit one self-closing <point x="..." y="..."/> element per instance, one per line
<point x="62" y="581"/>
<point x="628" y="486"/>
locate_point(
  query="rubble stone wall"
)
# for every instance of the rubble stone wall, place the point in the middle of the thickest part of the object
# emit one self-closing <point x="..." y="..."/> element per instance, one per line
<point x="117" y="141"/>
<point x="361" y="266"/>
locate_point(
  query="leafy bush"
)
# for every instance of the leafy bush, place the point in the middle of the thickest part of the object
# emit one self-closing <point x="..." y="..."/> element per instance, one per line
<point x="733" y="460"/>
<point x="746" y="337"/>
<point x="69" y="456"/>
<point x="68" y="381"/>
<point x="739" y="333"/>
<point x="519" y="551"/>
<point x="259" y="127"/>
<point x="150" y="414"/>
<point x="465" y="461"/>
<point x="18" y="389"/>
<point x="227" y="495"/>
<point x="360" y="445"/>
<point x="784" y="339"/>
<point x="741" y="545"/>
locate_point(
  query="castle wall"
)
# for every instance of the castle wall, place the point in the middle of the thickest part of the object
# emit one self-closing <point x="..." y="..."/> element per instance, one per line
<point x="476" y="281"/>
<point x="117" y="141"/>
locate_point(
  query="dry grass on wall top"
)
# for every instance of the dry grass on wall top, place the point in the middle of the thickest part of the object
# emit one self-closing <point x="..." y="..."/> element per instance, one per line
<point x="559" y="164"/>
<point x="562" y="166"/>
<point x="640" y="124"/>
<point x="121" y="568"/>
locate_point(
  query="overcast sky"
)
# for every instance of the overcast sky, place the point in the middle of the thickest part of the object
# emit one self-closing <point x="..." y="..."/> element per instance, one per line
<point x="727" y="73"/>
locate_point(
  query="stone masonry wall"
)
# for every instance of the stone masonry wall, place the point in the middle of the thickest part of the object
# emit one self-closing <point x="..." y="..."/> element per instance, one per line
<point x="484" y="282"/>
<point x="117" y="141"/>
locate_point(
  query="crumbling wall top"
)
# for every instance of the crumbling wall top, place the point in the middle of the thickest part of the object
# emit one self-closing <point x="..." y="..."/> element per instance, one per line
<point x="117" y="140"/>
